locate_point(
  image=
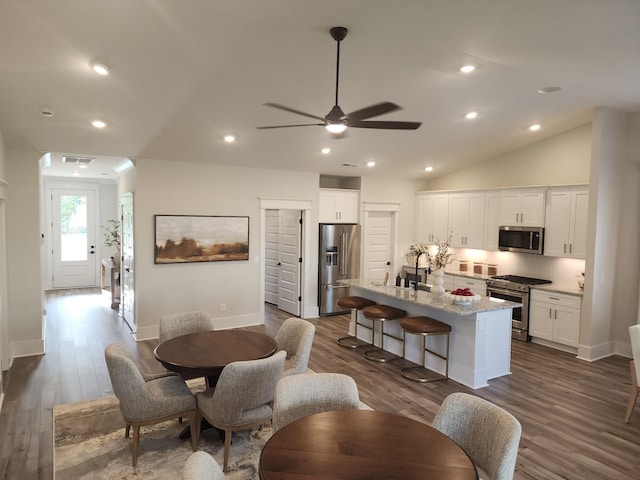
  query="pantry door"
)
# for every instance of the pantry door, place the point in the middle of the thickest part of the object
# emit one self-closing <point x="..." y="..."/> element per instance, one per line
<point x="73" y="237"/>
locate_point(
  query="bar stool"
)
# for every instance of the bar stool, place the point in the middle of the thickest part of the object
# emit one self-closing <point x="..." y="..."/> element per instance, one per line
<point x="381" y="313"/>
<point x="354" y="304"/>
<point x="426" y="327"/>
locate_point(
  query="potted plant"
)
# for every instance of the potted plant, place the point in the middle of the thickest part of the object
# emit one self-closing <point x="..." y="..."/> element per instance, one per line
<point x="112" y="238"/>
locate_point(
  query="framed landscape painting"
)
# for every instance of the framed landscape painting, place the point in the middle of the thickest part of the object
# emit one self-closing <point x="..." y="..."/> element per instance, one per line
<point x="200" y="238"/>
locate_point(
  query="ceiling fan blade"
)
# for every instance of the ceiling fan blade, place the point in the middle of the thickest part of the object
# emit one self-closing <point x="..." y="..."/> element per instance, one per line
<point x="372" y="111"/>
<point x="387" y="125"/>
<point x="292" y="110"/>
<point x="287" y="126"/>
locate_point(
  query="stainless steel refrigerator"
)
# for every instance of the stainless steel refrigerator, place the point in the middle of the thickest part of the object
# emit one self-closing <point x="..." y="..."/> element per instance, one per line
<point x="339" y="260"/>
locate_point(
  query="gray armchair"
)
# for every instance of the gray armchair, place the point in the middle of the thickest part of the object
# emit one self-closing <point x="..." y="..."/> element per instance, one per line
<point x="487" y="433"/>
<point x="182" y="323"/>
<point x="242" y="398"/>
<point x="301" y="395"/>
<point x="202" y="466"/>
<point x="295" y="337"/>
<point x="147" y="399"/>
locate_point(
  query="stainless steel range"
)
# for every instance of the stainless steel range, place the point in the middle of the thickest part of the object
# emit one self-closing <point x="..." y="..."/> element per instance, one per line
<point x="515" y="289"/>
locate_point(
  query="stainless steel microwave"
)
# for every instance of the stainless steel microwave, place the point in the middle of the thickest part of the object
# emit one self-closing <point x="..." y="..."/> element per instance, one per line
<point x="521" y="239"/>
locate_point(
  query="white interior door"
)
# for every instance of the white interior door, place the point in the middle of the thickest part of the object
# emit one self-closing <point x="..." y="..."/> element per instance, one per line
<point x="290" y="241"/>
<point x="126" y="262"/>
<point x="378" y="245"/>
<point x="272" y="257"/>
<point x="74" y="229"/>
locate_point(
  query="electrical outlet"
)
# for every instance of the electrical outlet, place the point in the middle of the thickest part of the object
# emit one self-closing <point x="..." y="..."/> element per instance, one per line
<point x="223" y="307"/>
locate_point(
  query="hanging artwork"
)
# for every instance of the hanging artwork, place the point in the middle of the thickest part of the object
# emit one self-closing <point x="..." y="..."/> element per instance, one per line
<point x="199" y="238"/>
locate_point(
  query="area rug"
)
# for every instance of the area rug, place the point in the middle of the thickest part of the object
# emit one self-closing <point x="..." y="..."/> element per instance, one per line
<point x="89" y="443"/>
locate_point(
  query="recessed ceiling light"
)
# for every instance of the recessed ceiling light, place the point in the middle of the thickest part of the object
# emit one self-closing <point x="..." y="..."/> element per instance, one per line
<point x="326" y="150"/>
<point x="371" y="164"/>
<point x="98" y="124"/>
<point x="428" y="169"/>
<point x="229" y="138"/>
<point x="549" y="89"/>
<point x="100" y="68"/>
<point x="47" y="113"/>
<point x="534" y="128"/>
<point x="471" y="115"/>
<point x="467" y="68"/>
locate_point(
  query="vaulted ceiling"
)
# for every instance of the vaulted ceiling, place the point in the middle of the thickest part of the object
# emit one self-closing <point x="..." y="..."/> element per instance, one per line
<point x="183" y="74"/>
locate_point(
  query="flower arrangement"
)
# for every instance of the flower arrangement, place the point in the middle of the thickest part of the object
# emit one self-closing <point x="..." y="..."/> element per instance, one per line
<point x="416" y="250"/>
<point x="112" y="233"/>
<point x="440" y="259"/>
<point x="443" y="256"/>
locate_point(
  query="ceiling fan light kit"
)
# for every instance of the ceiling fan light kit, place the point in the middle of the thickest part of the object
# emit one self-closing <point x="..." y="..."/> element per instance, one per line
<point x="336" y="121"/>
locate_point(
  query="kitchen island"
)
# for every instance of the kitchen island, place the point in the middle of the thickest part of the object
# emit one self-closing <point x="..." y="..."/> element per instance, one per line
<point x="480" y="345"/>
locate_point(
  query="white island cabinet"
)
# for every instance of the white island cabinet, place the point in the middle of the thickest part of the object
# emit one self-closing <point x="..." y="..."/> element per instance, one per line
<point x="480" y="346"/>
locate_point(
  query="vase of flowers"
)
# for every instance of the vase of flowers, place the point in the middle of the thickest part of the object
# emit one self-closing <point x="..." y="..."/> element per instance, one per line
<point x="112" y="238"/>
<point x="438" y="262"/>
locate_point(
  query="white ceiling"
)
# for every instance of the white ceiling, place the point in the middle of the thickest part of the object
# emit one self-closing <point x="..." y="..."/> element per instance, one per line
<point x="185" y="73"/>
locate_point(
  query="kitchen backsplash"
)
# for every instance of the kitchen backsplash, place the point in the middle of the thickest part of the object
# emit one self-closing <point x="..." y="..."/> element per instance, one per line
<point x="561" y="271"/>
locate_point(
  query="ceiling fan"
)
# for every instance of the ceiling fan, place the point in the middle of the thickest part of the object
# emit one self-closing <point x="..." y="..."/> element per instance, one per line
<point x="336" y="121"/>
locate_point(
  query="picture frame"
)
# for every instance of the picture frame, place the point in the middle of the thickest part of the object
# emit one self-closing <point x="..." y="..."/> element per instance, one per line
<point x="200" y="238"/>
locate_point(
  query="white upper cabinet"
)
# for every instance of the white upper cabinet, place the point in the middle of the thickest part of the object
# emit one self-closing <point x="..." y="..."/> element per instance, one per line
<point x="491" y="220"/>
<point x="522" y="207"/>
<point x="466" y="219"/>
<point x="338" y="206"/>
<point x="566" y="222"/>
<point x="432" y="217"/>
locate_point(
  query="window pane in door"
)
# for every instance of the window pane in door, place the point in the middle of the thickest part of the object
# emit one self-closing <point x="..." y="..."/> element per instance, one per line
<point x="73" y="228"/>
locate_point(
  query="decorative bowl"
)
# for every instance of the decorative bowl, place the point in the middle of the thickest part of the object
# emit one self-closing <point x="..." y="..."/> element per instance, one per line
<point x="462" y="299"/>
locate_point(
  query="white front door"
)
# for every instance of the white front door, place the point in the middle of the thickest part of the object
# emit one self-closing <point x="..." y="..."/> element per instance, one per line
<point x="126" y="262"/>
<point x="378" y="245"/>
<point x="74" y="236"/>
<point x="289" y="285"/>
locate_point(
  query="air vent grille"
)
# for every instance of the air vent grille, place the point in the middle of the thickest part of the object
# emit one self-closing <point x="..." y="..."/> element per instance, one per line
<point x="78" y="160"/>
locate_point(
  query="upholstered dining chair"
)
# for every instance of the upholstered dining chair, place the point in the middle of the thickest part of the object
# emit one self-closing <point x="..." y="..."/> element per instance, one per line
<point x="295" y="336"/>
<point x="301" y="395"/>
<point x="182" y="323"/>
<point x="634" y="333"/>
<point x="242" y="398"/>
<point x="202" y="466"/>
<point x="486" y="432"/>
<point x="147" y="399"/>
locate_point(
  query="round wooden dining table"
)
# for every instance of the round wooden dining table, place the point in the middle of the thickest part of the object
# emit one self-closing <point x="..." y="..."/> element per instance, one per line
<point x="206" y="353"/>
<point x="363" y="444"/>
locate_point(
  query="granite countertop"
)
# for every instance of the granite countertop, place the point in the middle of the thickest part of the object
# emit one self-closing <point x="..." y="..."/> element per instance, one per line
<point x="561" y="288"/>
<point x="425" y="298"/>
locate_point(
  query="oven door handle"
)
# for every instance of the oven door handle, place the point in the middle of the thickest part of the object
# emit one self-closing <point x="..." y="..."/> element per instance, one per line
<point x="513" y="293"/>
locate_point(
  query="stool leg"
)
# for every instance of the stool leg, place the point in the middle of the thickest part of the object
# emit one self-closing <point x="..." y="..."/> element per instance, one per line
<point x="349" y="341"/>
<point x="377" y="354"/>
<point x="416" y="374"/>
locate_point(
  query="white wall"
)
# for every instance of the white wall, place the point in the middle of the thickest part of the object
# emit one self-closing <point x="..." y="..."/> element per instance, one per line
<point x="24" y="290"/>
<point x="195" y="189"/>
<point x="559" y="160"/>
<point x="4" y="358"/>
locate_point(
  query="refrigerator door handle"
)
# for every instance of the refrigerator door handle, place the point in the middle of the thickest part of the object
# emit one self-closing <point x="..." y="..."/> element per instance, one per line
<point x="343" y="256"/>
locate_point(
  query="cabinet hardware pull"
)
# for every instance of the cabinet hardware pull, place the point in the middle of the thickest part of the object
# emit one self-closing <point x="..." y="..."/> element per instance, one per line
<point x="554" y="298"/>
<point x="564" y="248"/>
<point x="555" y="314"/>
<point x="570" y="248"/>
<point x="550" y="312"/>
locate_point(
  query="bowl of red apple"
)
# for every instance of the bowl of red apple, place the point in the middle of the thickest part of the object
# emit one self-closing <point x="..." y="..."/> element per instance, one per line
<point x="462" y="296"/>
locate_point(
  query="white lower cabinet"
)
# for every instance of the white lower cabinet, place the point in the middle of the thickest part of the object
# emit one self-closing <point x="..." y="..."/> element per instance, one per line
<point x="555" y="317"/>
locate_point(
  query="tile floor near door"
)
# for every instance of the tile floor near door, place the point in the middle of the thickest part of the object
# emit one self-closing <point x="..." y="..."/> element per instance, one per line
<point x="571" y="411"/>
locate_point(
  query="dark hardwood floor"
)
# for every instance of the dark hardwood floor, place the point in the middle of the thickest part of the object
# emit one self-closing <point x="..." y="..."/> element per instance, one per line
<point x="571" y="411"/>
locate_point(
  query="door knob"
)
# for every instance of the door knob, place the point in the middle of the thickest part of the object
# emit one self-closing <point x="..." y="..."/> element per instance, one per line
<point x="279" y="264"/>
